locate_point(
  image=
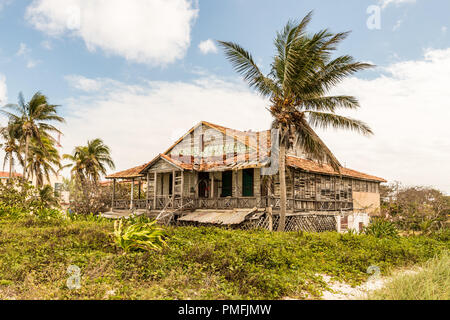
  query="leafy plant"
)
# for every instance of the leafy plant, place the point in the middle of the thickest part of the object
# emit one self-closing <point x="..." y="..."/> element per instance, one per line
<point x="139" y="236"/>
<point x="381" y="228"/>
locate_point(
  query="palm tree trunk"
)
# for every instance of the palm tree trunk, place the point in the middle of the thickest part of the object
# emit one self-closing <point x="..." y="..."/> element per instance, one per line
<point x="10" y="165"/>
<point x="282" y="173"/>
<point x="27" y="144"/>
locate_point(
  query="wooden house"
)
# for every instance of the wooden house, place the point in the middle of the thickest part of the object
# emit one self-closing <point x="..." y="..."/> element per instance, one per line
<point x="216" y="168"/>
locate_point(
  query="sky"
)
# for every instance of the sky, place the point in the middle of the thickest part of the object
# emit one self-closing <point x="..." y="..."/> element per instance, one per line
<point x="139" y="73"/>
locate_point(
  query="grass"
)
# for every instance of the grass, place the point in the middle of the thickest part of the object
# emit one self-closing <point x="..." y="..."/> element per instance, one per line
<point x="430" y="282"/>
<point x="199" y="263"/>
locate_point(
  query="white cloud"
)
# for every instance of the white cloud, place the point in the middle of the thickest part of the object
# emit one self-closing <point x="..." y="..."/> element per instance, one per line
<point x="155" y="32"/>
<point x="25" y="52"/>
<point x="397" y="25"/>
<point x="207" y="46"/>
<point x="386" y="3"/>
<point x="83" y="83"/>
<point x="4" y="3"/>
<point x="3" y="90"/>
<point x="47" y="45"/>
<point x="407" y="107"/>
<point x="140" y="121"/>
<point x="444" y="29"/>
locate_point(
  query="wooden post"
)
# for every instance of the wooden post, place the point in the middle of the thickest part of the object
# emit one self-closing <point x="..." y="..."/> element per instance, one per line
<point x="139" y="190"/>
<point x="212" y="184"/>
<point x="174" y="175"/>
<point x="113" y="194"/>
<point x="270" y="216"/>
<point x="182" y="188"/>
<point x="132" y="194"/>
<point x="147" y="197"/>
<point x="154" y="190"/>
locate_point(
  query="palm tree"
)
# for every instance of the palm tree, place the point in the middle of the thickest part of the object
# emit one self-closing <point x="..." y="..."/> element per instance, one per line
<point x="90" y="161"/>
<point x="44" y="160"/>
<point x="11" y="146"/>
<point x="302" y="74"/>
<point x="33" y="118"/>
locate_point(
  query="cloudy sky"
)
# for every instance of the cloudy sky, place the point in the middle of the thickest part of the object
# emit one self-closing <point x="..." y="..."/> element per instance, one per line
<point x="138" y="73"/>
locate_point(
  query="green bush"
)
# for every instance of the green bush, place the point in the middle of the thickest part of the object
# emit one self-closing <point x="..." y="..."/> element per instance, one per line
<point x="381" y="228"/>
<point x="139" y="236"/>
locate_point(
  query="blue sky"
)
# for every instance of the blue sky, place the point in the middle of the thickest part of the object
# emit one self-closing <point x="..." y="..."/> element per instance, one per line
<point x="134" y="74"/>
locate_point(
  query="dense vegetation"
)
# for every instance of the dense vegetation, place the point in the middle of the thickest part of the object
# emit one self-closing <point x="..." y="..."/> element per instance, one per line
<point x="430" y="282"/>
<point x="201" y="263"/>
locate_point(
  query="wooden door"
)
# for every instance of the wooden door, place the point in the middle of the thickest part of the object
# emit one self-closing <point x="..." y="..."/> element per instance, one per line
<point x="227" y="184"/>
<point x="247" y="182"/>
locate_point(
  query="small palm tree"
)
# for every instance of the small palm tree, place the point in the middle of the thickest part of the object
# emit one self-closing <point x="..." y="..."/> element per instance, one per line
<point x="44" y="160"/>
<point x="90" y="161"/>
<point x="11" y="146"/>
<point x="302" y="74"/>
<point x="34" y="119"/>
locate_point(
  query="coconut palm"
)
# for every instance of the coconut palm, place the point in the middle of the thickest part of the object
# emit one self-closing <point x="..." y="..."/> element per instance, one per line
<point x="44" y="160"/>
<point x="11" y="146"/>
<point x="90" y="161"/>
<point x="34" y="118"/>
<point x="298" y="85"/>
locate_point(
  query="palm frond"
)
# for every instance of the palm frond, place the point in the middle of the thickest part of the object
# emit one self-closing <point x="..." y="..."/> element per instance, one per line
<point x="325" y="120"/>
<point x="244" y="64"/>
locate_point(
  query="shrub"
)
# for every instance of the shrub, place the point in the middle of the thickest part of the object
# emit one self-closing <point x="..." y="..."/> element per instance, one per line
<point x="19" y="198"/>
<point x="139" y="236"/>
<point x="381" y="228"/>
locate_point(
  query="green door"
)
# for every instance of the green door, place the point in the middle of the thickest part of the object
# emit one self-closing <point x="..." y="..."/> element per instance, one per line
<point x="247" y="183"/>
<point x="227" y="184"/>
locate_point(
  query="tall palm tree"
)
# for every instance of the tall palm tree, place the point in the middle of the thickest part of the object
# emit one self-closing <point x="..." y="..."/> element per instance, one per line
<point x="298" y="85"/>
<point x="44" y="160"/>
<point x="90" y="161"/>
<point x="34" y="118"/>
<point x="11" y="145"/>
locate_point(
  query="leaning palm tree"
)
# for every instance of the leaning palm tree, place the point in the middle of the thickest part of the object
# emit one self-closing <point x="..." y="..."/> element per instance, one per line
<point x="90" y="161"/>
<point x="11" y="146"/>
<point x="43" y="161"/>
<point x="34" y="118"/>
<point x="298" y="85"/>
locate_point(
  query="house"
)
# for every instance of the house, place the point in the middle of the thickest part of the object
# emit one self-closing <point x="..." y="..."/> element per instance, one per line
<point x="4" y="176"/>
<point x="216" y="168"/>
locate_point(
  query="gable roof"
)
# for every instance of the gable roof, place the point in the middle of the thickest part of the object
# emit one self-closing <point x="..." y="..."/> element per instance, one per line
<point x="243" y="160"/>
<point x="312" y="166"/>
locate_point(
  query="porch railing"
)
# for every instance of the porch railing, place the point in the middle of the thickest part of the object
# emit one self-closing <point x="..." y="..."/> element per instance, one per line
<point x="190" y="203"/>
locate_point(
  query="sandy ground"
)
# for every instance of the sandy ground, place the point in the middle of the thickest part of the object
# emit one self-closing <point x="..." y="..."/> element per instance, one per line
<point x="343" y="291"/>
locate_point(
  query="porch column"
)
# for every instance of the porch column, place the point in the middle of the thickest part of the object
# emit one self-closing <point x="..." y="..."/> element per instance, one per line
<point x="154" y="190"/>
<point x="211" y="175"/>
<point x="182" y="188"/>
<point x="139" y="190"/>
<point x="174" y="174"/>
<point x="132" y="194"/>
<point x="147" y="195"/>
<point x="113" y="194"/>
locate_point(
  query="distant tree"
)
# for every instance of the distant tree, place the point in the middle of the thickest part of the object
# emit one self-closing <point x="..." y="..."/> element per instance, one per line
<point x="44" y="160"/>
<point x="10" y="136"/>
<point x="34" y="120"/>
<point x="302" y="73"/>
<point x="90" y="161"/>
<point x="87" y="164"/>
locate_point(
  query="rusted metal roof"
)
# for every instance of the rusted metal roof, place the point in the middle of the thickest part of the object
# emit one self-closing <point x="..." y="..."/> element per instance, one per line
<point x="219" y="217"/>
<point x="5" y="175"/>
<point x="128" y="174"/>
<point x="249" y="159"/>
<point x="313" y="166"/>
